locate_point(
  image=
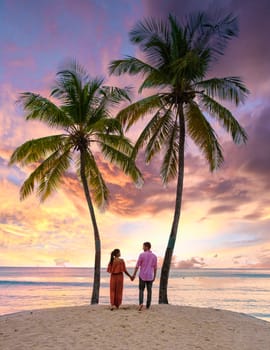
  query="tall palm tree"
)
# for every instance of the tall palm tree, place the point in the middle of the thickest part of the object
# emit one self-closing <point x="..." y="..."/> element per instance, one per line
<point x="87" y="129"/>
<point x="177" y="59"/>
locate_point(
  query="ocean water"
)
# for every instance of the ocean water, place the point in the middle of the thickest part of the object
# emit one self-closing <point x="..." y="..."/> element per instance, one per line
<point x="241" y="290"/>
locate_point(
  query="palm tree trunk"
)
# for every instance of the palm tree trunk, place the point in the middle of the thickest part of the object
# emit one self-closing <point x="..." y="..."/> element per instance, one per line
<point x="165" y="270"/>
<point x="96" y="283"/>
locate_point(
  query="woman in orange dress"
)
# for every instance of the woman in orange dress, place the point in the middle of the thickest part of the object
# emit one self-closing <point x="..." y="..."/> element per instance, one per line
<point x="116" y="268"/>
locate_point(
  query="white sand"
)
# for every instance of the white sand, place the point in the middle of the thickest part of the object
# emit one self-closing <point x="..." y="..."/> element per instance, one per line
<point x="161" y="327"/>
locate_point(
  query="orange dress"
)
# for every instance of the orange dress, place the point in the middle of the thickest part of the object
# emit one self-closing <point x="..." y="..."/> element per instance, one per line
<point x="116" y="281"/>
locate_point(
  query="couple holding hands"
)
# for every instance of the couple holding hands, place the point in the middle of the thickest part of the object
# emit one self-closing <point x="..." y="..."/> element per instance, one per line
<point x="147" y="263"/>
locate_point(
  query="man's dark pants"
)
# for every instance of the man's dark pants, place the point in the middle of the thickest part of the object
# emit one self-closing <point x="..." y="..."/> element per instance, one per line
<point x="148" y="285"/>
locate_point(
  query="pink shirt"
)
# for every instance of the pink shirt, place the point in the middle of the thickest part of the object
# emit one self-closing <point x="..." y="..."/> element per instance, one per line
<point x="147" y="262"/>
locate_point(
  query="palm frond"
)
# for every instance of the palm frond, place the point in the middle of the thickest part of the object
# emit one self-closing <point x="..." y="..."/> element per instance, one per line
<point x="97" y="114"/>
<point x="229" y="89"/>
<point x="116" y="142"/>
<point x="156" y="79"/>
<point x="222" y="29"/>
<point x="76" y="91"/>
<point x="190" y="67"/>
<point x="52" y="178"/>
<point x="169" y="166"/>
<point x="143" y="31"/>
<point x="155" y="39"/>
<point x="28" y="185"/>
<point x="193" y="27"/>
<point x="203" y="135"/>
<point x="40" y="173"/>
<point x="70" y="81"/>
<point x="105" y="125"/>
<point x="34" y="150"/>
<point x="115" y="95"/>
<point x="132" y="113"/>
<point x="145" y="135"/>
<point x="124" y="162"/>
<point x="40" y="108"/>
<point x="130" y="65"/>
<point x="72" y="65"/>
<point x="225" y="118"/>
<point x="159" y="133"/>
<point x="210" y="33"/>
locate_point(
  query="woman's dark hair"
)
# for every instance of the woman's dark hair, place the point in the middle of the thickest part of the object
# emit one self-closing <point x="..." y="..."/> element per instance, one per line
<point x="113" y="255"/>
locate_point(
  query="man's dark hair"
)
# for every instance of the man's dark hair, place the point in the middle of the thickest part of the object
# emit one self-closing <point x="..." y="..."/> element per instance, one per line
<point x="147" y="244"/>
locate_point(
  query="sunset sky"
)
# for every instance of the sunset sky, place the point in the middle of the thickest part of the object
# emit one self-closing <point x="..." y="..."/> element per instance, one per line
<point x="226" y="215"/>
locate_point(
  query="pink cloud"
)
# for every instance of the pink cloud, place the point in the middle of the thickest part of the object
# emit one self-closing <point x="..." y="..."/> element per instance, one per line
<point x="26" y="62"/>
<point x="194" y="262"/>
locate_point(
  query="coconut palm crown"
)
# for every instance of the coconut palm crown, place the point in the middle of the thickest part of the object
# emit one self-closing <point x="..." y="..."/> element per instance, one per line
<point x="87" y="130"/>
<point x="177" y="58"/>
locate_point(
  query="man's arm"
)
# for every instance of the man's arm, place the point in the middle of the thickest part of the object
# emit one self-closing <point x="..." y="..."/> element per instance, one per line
<point x="155" y="268"/>
<point x="134" y="273"/>
<point x="155" y="273"/>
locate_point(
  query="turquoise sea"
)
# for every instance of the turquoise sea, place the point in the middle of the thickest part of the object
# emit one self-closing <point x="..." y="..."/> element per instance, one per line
<point x="241" y="290"/>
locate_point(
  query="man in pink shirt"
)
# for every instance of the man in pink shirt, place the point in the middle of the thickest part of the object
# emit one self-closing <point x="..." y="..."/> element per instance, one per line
<point x="147" y="263"/>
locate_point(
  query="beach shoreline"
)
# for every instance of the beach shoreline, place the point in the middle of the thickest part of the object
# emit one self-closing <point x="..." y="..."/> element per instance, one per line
<point x="161" y="327"/>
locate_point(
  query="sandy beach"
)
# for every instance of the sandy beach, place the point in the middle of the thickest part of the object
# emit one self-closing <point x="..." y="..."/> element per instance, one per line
<point x="161" y="327"/>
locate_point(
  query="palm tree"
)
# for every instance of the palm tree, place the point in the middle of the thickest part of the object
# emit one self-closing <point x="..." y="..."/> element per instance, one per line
<point x="87" y="127"/>
<point x="177" y="60"/>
